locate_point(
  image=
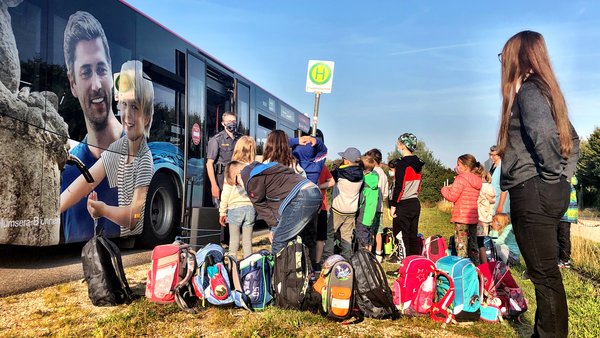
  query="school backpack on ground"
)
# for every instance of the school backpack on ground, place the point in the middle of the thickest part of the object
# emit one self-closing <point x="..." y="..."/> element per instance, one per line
<point x="435" y="248"/>
<point x="212" y="283"/>
<point x="388" y="241"/>
<point x="500" y="283"/>
<point x="103" y="272"/>
<point x="336" y="286"/>
<point x="415" y="287"/>
<point x="490" y="249"/>
<point x="372" y="295"/>
<point x="468" y="287"/>
<point x="291" y="278"/>
<point x="170" y="276"/>
<point x="256" y="280"/>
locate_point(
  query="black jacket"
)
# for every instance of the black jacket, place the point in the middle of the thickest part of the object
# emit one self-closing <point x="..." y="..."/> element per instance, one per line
<point x="533" y="145"/>
<point x="268" y="185"/>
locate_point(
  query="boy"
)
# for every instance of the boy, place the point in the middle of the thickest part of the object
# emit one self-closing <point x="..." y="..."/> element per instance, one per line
<point x="383" y="188"/>
<point x="349" y="180"/>
<point x="370" y="204"/>
<point x="286" y="201"/>
<point x="405" y="207"/>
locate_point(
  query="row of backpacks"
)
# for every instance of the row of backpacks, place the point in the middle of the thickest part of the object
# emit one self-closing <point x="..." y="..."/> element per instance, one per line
<point x="210" y="278"/>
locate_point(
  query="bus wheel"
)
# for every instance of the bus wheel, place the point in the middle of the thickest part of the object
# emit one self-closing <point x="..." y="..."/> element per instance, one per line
<point x="161" y="214"/>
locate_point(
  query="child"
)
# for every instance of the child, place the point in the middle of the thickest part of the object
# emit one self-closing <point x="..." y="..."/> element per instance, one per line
<point x="285" y="200"/>
<point x="383" y="189"/>
<point x="235" y="207"/>
<point x="504" y="239"/>
<point x="325" y="181"/>
<point x="564" y="228"/>
<point x="405" y="206"/>
<point x="128" y="162"/>
<point x="349" y="180"/>
<point x="464" y="193"/>
<point x="485" y="211"/>
<point x="370" y="204"/>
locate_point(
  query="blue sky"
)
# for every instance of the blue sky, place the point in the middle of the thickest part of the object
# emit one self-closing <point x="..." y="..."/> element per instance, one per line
<point x="429" y="68"/>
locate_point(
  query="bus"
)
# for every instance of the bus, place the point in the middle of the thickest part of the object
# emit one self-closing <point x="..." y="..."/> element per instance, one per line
<point x="60" y="117"/>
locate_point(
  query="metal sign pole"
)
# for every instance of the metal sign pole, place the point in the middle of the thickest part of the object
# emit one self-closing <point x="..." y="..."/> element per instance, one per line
<point x="315" y="114"/>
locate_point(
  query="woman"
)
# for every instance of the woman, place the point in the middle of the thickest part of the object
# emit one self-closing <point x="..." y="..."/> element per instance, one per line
<point x="277" y="149"/>
<point x="539" y="149"/>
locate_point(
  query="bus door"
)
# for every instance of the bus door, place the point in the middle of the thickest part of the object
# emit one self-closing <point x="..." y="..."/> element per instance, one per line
<point x="202" y="221"/>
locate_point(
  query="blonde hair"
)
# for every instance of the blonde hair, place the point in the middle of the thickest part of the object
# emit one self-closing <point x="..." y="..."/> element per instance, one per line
<point x="244" y="150"/>
<point x="525" y="56"/>
<point x="133" y="81"/>
<point x="231" y="170"/>
<point x="503" y="220"/>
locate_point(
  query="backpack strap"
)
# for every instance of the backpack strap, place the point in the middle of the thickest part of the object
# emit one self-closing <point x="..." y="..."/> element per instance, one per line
<point x="117" y="264"/>
<point x="239" y="296"/>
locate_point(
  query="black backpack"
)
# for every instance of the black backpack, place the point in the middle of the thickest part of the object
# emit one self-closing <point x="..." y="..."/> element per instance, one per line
<point x="291" y="278"/>
<point x="103" y="272"/>
<point x="373" y="295"/>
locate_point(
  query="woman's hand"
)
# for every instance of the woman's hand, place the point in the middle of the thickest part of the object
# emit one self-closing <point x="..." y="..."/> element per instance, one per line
<point x="95" y="207"/>
<point x="223" y="220"/>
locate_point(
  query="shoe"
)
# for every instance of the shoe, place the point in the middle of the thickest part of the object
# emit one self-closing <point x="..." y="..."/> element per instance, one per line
<point x="379" y="258"/>
<point x="394" y="260"/>
<point x="564" y="264"/>
<point x="317" y="269"/>
<point x="525" y="275"/>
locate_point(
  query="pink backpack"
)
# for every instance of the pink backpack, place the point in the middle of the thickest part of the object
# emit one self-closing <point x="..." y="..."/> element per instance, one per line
<point x="415" y="288"/>
<point x="435" y="248"/>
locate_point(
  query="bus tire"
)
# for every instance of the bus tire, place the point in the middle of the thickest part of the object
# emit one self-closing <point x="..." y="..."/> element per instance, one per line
<point x="162" y="212"/>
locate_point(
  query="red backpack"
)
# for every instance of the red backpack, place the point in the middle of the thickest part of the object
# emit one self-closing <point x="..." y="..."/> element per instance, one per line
<point x="435" y="248"/>
<point x="500" y="283"/>
<point x="415" y="287"/>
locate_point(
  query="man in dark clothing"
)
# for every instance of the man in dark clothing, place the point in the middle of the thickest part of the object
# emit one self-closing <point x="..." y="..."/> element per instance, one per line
<point x="405" y="206"/>
<point x="219" y="152"/>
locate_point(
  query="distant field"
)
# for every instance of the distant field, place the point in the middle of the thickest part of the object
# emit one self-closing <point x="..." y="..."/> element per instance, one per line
<point x="64" y="310"/>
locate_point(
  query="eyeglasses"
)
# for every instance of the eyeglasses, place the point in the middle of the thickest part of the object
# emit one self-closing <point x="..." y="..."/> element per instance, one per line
<point x="500" y="57"/>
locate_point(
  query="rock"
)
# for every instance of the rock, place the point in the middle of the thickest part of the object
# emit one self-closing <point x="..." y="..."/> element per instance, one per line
<point x="10" y="69"/>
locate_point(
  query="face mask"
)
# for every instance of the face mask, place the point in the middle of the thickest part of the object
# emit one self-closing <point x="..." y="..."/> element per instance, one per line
<point x="231" y="126"/>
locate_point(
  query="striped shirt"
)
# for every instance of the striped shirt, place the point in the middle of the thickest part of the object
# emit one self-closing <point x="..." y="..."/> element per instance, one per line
<point x="128" y="176"/>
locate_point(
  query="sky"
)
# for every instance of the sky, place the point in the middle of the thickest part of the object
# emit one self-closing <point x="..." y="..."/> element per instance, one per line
<point x="425" y="67"/>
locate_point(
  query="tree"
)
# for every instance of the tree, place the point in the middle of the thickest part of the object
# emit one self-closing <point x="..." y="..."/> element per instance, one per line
<point x="588" y="169"/>
<point x="434" y="174"/>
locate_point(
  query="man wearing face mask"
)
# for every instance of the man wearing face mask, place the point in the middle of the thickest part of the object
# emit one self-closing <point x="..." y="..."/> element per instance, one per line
<point x="219" y="152"/>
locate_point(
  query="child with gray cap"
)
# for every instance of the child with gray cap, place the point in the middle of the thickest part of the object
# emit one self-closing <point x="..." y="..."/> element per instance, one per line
<point x="348" y="182"/>
<point x="405" y="206"/>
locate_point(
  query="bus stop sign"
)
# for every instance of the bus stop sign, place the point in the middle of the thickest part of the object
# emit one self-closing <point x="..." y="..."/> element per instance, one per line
<point x="319" y="77"/>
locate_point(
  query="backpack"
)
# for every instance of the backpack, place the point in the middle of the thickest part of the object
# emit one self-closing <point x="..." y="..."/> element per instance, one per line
<point x="336" y="286"/>
<point x="103" y="272"/>
<point x="435" y="248"/>
<point x="388" y="241"/>
<point x="490" y="249"/>
<point x="468" y="287"/>
<point x="420" y="243"/>
<point x="256" y="280"/>
<point x="415" y="287"/>
<point x="212" y="283"/>
<point x="291" y="278"/>
<point x="170" y="275"/>
<point x="500" y="284"/>
<point x="372" y="294"/>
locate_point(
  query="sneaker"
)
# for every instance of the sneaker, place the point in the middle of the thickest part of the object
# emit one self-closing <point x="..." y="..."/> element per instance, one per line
<point x="379" y="258"/>
<point x="394" y="260"/>
<point x="317" y="269"/>
<point x="525" y="275"/>
<point x="564" y="264"/>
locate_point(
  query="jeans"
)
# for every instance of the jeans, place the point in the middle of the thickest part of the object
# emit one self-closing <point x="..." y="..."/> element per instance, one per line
<point x="296" y="215"/>
<point x="241" y="218"/>
<point x="536" y="209"/>
<point x="407" y="221"/>
<point x="564" y="241"/>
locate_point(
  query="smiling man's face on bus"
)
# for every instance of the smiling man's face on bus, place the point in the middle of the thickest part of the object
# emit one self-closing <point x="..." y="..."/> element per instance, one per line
<point x="91" y="82"/>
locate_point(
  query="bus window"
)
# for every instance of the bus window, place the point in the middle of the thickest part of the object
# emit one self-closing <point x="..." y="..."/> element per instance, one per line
<point x="243" y="108"/>
<point x="265" y="125"/>
<point x="165" y="124"/>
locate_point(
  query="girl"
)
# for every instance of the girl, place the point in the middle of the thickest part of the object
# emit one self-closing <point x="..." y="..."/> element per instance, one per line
<point x="485" y="210"/>
<point x="464" y="193"/>
<point x="504" y="239"/>
<point x="277" y="149"/>
<point x="235" y="207"/>
<point x="539" y="149"/>
<point x="128" y="162"/>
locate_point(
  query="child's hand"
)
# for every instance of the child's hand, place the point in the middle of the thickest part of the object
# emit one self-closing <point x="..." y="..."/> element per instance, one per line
<point x="393" y="212"/>
<point x="95" y="207"/>
<point x="223" y="220"/>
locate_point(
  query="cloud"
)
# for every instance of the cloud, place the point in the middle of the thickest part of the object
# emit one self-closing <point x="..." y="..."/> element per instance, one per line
<point x="421" y="50"/>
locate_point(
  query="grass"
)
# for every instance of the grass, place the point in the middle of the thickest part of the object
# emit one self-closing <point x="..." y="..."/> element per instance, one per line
<point x="585" y="255"/>
<point x="65" y="311"/>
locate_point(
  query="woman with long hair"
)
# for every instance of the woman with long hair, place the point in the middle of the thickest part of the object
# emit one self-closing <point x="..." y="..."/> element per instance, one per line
<point x="277" y="149"/>
<point x="539" y="149"/>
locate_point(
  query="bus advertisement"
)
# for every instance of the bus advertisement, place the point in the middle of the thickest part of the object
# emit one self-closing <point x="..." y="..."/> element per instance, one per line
<point x="105" y="115"/>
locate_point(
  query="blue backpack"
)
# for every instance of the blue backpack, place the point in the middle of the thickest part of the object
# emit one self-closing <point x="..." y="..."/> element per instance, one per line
<point x="468" y="287"/>
<point x="212" y="283"/>
<point x="255" y="276"/>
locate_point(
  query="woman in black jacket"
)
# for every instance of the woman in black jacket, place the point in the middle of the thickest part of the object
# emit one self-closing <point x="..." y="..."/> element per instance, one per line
<point x="539" y="149"/>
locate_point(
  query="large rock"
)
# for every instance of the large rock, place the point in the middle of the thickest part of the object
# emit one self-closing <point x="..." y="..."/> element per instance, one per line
<point x="10" y="69"/>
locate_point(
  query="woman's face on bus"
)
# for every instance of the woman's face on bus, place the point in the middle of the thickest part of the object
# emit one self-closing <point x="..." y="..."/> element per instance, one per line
<point x="91" y="82"/>
<point x="133" y="118"/>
